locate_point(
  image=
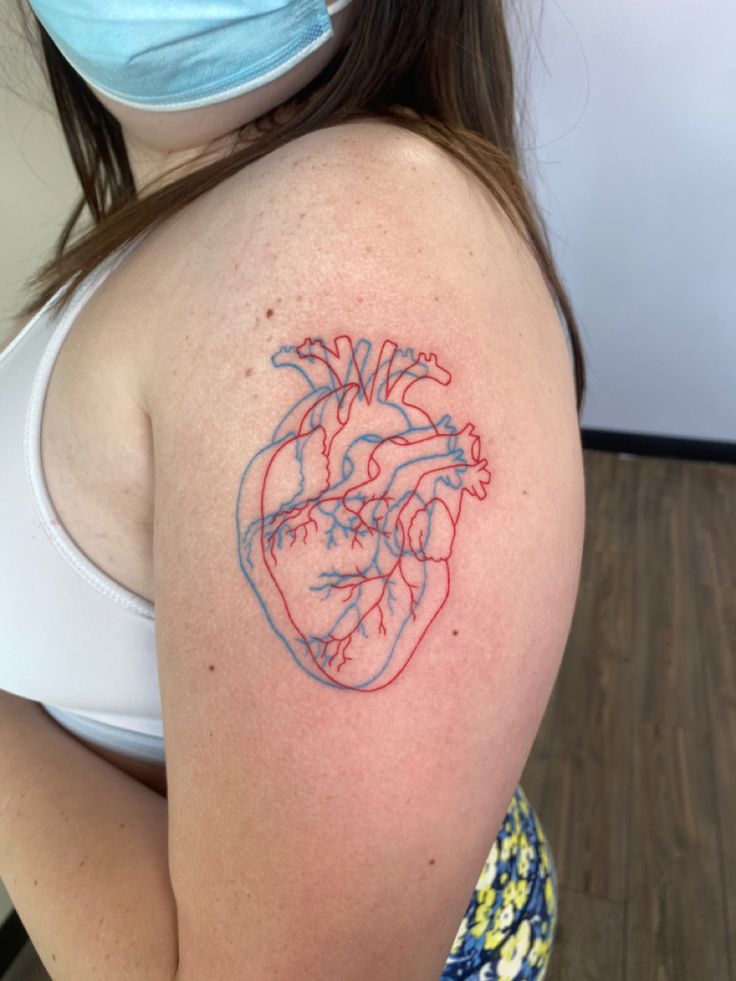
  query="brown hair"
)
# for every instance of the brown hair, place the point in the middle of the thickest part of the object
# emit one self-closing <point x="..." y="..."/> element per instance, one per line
<point x="443" y="70"/>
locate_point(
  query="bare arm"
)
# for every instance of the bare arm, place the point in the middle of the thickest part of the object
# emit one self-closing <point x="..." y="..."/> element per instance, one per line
<point x="83" y="854"/>
<point x="320" y="824"/>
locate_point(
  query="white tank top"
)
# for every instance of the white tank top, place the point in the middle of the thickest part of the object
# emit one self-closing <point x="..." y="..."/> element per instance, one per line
<point x="71" y="637"/>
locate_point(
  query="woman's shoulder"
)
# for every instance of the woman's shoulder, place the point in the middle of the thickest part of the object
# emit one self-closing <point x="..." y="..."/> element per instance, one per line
<point x="367" y="538"/>
<point x="367" y="542"/>
<point x="369" y="224"/>
<point x="363" y="169"/>
<point x="362" y="201"/>
<point x="370" y="233"/>
<point x="368" y="229"/>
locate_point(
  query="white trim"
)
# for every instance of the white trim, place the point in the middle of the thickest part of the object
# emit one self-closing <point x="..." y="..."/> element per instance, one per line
<point x="32" y="452"/>
<point x="138" y="745"/>
<point x="28" y="326"/>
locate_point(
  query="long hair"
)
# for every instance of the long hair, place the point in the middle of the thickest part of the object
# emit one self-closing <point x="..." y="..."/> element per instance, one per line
<point x="442" y="70"/>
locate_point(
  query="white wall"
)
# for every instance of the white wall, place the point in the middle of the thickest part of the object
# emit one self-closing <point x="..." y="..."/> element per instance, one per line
<point x="37" y="182"/>
<point x="637" y="169"/>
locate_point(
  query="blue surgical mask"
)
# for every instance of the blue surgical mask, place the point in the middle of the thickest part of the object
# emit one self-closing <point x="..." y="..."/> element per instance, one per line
<point x="179" y="54"/>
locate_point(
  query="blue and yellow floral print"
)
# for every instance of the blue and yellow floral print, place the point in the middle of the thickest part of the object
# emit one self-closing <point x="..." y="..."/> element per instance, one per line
<point x="509" y="925"/>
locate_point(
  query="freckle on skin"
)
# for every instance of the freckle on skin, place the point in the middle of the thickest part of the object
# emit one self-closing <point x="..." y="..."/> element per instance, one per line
<point x="212" y="667"/>
<point x="269" y="312"/>
<point x="248" y="372"/>
<point x="360" y="299"/>
<point x="299" y="297"/>
<point x="431" y="861"/>
<point x="525" y="492"/>
<point x="369" y="248"/>
<point x="121" y="825"/>
<point x="35" y="882"/>
<point x="454" y="633"/>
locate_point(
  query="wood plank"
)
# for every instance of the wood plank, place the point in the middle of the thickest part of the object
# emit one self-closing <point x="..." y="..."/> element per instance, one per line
<point x="602" y="624"/>
<point x="669" y="684"/>
<point x="714" y="554"/>
<point x="588" y="942"/>
<point x="724" y="753"/>
<point x="586" y="795"/>
<point x="635" y="788"/>
<point x="676" y="925"/>
<point x="585" y="743"/>
<point x="612" y="483"/>
<point x="713" y="496"/>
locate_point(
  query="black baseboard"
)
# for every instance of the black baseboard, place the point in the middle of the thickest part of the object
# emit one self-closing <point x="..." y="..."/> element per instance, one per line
<point x="12" y="939"/>
<point x="646" y="444"/>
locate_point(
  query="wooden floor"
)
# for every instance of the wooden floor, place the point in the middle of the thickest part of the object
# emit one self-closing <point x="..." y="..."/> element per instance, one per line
<point x="634" y="769"/>
<point x="633" y="772"/>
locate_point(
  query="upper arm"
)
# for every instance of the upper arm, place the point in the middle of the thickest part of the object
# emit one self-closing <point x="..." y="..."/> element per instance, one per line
<point x="357" y="633"/>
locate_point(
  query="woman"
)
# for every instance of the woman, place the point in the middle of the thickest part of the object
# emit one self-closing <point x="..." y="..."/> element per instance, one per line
<point x="363" y="568"/>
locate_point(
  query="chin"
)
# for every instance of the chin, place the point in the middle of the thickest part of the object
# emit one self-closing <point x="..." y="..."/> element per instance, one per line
<point x="185" y="129"/>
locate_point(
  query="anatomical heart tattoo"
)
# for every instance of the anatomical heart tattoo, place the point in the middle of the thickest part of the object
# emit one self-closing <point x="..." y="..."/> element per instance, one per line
<point x="346" y="520"/>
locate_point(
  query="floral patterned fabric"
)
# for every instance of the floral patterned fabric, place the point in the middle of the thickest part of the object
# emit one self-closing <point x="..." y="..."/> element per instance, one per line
<point x="509" y="925"/>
